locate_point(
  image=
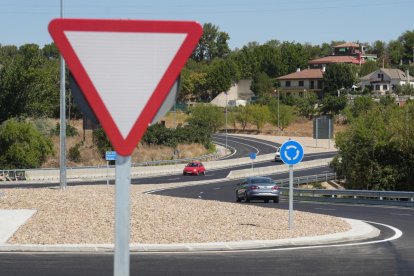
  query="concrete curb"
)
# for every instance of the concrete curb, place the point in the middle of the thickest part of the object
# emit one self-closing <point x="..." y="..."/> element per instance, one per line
<point x="359" y="231"/>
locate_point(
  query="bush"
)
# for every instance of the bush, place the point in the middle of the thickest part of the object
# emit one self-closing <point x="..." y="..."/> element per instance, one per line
<point x="22" y="145"/>
<point x="101" y="141"/>
<point x="70" y="130"/>
<point x="74" y="153"/>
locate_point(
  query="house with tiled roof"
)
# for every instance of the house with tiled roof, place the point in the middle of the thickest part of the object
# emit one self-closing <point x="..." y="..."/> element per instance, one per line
<point x="302" y="80"/>
<point x="311" y="79"/>
<point x="385" y="79"/>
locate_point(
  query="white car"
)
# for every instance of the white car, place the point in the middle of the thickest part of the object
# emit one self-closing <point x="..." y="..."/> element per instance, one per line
<point x="277" y="155"/>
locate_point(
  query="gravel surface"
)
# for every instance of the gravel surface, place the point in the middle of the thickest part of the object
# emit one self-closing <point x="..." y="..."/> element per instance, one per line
<point x="85" y="214"/>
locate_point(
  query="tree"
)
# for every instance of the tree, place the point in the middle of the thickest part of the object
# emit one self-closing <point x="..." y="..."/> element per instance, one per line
<point x="307" y="105"/>
<point x="338" y="76"/>
<point x="332" y="104"/>
<point x="282" y="115"/>
<point x="22" y="145"/>
<point x="262" y="85"/>
<point x="395" y="51"/>
<point x="407" y="41"/>
<point x="367" y="68"/>
<point x="259" y="115"/>
<point x="206" y="115"/>
<point x="222" y="74"/>
<point x="212" y="44"/>
<point x="243" y="115"/>
<point x="376" y="150"/>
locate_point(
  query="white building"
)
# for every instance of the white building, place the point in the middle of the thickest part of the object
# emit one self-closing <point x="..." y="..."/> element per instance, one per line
<point x="384" y="80"/>
<point x="238" y="94"/>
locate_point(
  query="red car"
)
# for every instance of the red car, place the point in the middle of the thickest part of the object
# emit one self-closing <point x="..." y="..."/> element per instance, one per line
<point x="195" y="168"/>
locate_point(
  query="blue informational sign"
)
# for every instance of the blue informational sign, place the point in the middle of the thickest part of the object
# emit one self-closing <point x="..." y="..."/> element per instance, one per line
<point x="291" y="152"/>
<point x="252" y="155"/>
<point x="110" y="155"/>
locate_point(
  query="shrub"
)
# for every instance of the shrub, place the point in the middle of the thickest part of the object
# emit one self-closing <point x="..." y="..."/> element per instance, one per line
<point x="101" y="141"/>
<point x="70" y="130"/>
<point x="22" y="145"/>
<point x="74" y="153"/>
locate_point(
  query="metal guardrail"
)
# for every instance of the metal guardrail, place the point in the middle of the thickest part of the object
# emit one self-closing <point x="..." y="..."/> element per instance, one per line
<point x="12" y="175"/>
<point x="307" y="179"/>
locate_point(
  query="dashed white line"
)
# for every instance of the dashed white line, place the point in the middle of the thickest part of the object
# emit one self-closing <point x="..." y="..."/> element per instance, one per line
<point x="397" y="214"/>
<point x="325" y="209"/>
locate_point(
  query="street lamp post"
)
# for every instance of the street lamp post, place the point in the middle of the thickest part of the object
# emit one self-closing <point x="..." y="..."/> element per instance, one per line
<point x="226" y="121"/>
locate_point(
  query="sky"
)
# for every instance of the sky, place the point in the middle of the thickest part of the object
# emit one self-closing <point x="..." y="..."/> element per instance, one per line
<point x="303" y="21"/>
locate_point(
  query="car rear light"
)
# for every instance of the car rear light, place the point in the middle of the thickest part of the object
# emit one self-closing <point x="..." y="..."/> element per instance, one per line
<point x="275" y="187"/>
<point x="254" y="187"/>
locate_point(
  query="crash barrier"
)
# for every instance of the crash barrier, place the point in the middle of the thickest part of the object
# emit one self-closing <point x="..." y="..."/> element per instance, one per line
<point x="397" y="198"/>
<point x="309" y="179"/>
<point x="145" y="169"/>
<point x="269" y="170"/>
<point x="12" y="175"/>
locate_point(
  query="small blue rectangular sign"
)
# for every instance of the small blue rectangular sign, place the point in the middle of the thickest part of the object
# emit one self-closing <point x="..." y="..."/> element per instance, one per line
<point x="110" y="155"/>
<point x="252" y="155"/>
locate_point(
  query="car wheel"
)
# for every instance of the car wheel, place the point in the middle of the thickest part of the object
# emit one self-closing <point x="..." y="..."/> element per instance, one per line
<point x="246" y="198"/>
<point x="238" y="199"/>
<point x="266" y="201"/>
<point x="276" y="200"/>
<point x="204" y="173"/>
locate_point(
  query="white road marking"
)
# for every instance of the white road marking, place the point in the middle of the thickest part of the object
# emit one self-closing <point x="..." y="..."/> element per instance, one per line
<point x="326" y="209"/>
<point x="396" y="214"/>
<point x="176" y="178"/>
<point x="255" y="141"/>
<point x="397" y="235"/>
<point x="216" y="188"/>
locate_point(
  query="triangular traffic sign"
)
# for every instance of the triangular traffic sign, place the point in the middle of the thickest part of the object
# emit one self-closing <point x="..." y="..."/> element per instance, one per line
<point x="125" y="68"/>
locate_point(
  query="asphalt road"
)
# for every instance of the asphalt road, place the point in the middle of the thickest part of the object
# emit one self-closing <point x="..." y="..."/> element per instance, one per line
<point x="374" y="257"/>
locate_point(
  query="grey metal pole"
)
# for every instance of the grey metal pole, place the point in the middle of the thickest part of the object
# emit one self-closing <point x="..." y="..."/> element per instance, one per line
<point x="317" y="132"/>
<point x="329" y="133"/>
<point x="290" y="197"/>
<point x="226" y="122"/>
<point x="278" y="114"/>
<point x="62" y="118"/>
<point x="107" y="173"/>
<point x="122" y="215"/>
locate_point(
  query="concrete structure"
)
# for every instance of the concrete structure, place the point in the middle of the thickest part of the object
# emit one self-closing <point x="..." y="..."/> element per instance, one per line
<point x="238" y="94"/>
<point x="385" y="79"/>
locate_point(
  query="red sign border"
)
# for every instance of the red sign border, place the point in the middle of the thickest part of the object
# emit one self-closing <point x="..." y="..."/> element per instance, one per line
<point x="125" y="147"/>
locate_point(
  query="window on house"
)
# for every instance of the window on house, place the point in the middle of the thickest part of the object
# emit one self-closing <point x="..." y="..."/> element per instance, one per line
<point x="287" y="83"/>
<point x="385" y="87"/>
<point x="301" y="83"/>
<point x="377" y="87"/>
<point x="319" y="84"/>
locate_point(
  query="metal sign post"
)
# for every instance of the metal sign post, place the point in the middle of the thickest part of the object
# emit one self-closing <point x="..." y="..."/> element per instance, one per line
<point x="109" y="156"/>
<point x="122" y="215"/>
<point x="252" y="157"/>
<point x="291" y="153"/>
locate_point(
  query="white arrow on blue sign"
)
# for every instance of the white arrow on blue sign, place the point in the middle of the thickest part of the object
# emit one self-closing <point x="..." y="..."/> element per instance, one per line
<point x="291" y="152"/>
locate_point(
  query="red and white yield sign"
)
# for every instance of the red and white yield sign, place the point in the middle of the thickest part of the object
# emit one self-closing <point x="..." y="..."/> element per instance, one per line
<point x="125" y="68"/>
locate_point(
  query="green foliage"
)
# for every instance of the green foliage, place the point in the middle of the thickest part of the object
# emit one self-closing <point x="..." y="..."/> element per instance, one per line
<point x="259" y="115"/>
<point x="222" y="74"/>
<point x="22" y="145"/>
<point x="207" y="116"/>
<point x="212" y="44"/>
<point x="262" y="85"/>
<point x="404" y="90"/>
<point x="243" y="115"/>
<point x="307" y="105"/>
<point x="70" y="130"/>
<point x="377" y="149"/>
<point x="338" y="76"/>
<point x="367" y="68"/>
<point x="286" y="114"/>
<point x="74" y="153"/>
<point x="333" y="105"/>
<point x="101" y="141"/>
<point x="158" y="134"/>
<point x="361" y="105"/>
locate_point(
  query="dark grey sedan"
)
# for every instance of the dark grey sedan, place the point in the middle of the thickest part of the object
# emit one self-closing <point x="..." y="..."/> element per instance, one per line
<point x="257" y="187"/>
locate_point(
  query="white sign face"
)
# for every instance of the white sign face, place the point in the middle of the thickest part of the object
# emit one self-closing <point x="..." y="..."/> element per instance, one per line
<point x="124" y="65"/>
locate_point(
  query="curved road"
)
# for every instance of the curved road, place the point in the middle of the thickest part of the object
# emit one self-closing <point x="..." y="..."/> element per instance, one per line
<point x="379" y="257"/>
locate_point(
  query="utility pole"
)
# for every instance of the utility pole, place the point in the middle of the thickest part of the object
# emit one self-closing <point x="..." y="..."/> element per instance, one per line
<point x="62" y="117"/>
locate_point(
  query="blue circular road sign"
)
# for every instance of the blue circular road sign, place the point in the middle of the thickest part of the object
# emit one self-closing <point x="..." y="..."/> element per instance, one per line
<point x="291" y="152"/>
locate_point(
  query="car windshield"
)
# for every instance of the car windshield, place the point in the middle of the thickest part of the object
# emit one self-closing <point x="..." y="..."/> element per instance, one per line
<point x="192" y="165"/>
<point x="262" y="181"/>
